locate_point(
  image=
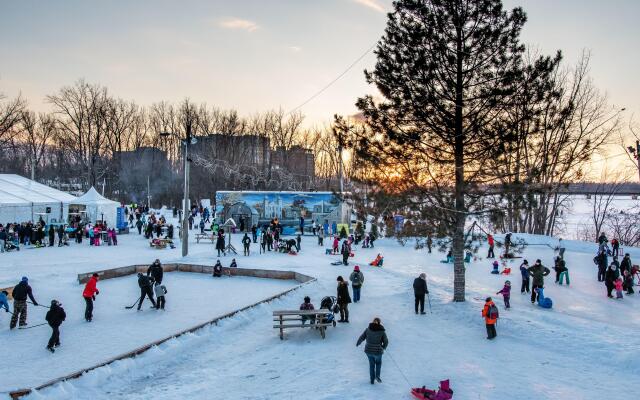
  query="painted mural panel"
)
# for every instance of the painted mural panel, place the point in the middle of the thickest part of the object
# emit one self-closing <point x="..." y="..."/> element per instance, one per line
<point x="260" y="208"/>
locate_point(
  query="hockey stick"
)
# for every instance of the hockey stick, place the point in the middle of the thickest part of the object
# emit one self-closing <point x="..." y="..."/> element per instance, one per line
<point x="133" y="305"/>
<point x="429" y="299"/>
<point x="33" y="326"/>
<point x="38" y="305"/>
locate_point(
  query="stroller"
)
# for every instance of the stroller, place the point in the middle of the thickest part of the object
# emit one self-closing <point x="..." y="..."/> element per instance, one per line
<point x="329" y="303"/>
<point x="10" y="245"/>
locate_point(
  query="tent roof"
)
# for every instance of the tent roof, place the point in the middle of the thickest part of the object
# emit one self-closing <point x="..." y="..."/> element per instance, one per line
<point x="93" y="197"/>
<point x="16" y="190"/>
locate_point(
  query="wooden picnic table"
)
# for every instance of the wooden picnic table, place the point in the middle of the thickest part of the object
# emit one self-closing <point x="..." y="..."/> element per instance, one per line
<point x="286" y="319"/>
<point x="204" y="236"/>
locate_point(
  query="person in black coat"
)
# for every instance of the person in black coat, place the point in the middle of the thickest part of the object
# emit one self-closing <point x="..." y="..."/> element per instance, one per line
<point x="625" y="264"/>
<point x="609" y="279"/>
<point x="155" y="271"/>
<point x="345" y="251"/>
<point x="220" y="246"/>
<point x="343" y="299"/>
<point x="146" y="289"/>
<point x="217" y="270"/>
<point x="52" y="235"/>
<point x="20" y="293"/>
<point x="420" y="290"/>
<point x="246" y="242"/>
<point x="254" y="233"/>
<point x="54" y="317"/>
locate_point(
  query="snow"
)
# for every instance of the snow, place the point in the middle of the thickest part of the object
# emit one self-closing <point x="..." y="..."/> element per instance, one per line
<point x="586" y="347"/>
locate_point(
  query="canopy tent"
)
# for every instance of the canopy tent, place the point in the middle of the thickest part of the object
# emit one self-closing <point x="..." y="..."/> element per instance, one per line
<point x="22" y="200"/>
<point x="97" y="207"/>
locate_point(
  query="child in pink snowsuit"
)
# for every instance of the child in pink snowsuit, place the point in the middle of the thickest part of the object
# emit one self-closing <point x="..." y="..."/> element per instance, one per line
<point x="618" y="286"/>
<point x="336" y="244"/>
<point x="506" y="293"/>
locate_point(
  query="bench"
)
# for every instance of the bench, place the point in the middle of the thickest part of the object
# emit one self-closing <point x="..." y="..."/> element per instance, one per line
<point x="293" y="319"/>
<point x="204" y="236"/>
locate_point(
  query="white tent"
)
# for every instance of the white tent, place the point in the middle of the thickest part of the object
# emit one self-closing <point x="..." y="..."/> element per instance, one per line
<point x="22" y="200"/>
<point x="98" y="207"/>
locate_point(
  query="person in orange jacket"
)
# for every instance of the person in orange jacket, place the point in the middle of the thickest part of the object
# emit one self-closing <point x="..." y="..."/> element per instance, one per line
<point x="490" y="314"/>
<point x="89" y="294"/>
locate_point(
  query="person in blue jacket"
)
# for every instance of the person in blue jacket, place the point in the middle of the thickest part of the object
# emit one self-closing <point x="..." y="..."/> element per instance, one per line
<point x="524" y="271"/>
<point x="4" y="303"/>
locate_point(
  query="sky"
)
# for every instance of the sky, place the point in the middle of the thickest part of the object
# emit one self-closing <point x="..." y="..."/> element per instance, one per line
<point x="258" y="55"/>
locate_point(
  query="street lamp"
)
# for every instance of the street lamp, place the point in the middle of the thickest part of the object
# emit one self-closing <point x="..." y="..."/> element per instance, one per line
<point x="188" y="140"/>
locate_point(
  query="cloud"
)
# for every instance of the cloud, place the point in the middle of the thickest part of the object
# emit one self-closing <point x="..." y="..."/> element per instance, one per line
<point x="373" y="4"/>
<point x="295" y="49"/>
<point x="238" y="23"/>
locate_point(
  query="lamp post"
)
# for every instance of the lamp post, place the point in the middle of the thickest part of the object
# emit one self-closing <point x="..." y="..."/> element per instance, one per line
<point x="188" y="140"/>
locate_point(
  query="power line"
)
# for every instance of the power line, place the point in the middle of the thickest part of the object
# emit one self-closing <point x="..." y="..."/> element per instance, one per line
<point x="327" y="86"/>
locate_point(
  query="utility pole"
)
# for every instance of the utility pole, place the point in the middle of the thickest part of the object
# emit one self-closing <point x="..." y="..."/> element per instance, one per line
<point x="148" y="194"/>
<point x="186" y="205"/>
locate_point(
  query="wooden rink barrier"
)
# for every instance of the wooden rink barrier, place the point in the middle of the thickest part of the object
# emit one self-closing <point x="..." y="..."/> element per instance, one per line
<point x="194" y="268"/>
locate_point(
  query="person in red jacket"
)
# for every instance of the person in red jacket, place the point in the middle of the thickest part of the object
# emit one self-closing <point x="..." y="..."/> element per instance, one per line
<point x="491" y="244"/>
<point x="89" y="294"/>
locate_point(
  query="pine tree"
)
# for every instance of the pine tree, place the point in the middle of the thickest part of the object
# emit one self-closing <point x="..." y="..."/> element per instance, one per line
<point x="448" y="71"/>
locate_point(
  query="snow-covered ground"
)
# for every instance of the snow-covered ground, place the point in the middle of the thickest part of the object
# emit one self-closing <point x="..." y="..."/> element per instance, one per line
<point x="586" y="347"/>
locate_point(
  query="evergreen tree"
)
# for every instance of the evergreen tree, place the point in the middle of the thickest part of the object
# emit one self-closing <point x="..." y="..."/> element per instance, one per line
<point x="448" y="71"/>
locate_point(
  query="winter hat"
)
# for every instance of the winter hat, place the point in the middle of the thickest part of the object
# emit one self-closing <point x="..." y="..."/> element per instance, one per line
<point x="525" y="262"/>
<point x="95" y="275"/>
<point x="54" y="303"/>
<point x="488" y="299"/>
<point x="340" y="279"/>
<point x="356" y="268"/>
<point x="307" y="300"/>
<point x="25" y="279"/>
<point x="508" y="283"/>
<point x="495" y="263"/>
<point x="423" y="275"/>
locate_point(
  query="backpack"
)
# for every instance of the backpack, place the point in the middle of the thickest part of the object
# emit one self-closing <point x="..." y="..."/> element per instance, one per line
<point x="492" y="312"/>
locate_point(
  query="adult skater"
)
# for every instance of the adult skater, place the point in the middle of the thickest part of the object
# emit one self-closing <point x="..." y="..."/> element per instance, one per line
<point x="20" y="293"/>
<point x="254" y="233"/>
<point x="610" y="277"/>
<point x="146" y="289"/>
<point x="52" y="235"/>
<point x="625" y="264"/>
<point x="343" y="299"/>
<point x="376" y="343"/>
<point x="357" y="279"/>
<point x="538" y="272"/>
<point x="54" y="317"/>
<point x="419" y="291"/>
<point x="155" y="271"/>
<point x="524" y="271"/>
<point x="89" y="294"/>
<point x="246" y="242"/>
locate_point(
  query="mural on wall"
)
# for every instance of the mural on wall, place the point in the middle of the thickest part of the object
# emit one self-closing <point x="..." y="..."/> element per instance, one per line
<point x="259" y="208"/>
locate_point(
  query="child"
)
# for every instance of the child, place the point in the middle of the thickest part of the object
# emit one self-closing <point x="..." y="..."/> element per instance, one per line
<point x="490" y="314"/>
<point x="628" y="282"/>
<point x="307" y="306"/>
<point x="506" y="294"/>
<point x="233" y="264"/>
<point x="217" y="270"/>
<point x="160" y="291"/>
<point x="618" y="286"/>
<point x="495" y="268"/>
<point x="336" y="244"/>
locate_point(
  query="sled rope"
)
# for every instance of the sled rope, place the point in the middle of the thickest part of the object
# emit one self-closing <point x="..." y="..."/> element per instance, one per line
<point x="398" y="367"/>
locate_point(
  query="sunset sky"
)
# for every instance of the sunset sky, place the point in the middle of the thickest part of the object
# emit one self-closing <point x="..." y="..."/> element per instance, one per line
<point x="255" y="55"/>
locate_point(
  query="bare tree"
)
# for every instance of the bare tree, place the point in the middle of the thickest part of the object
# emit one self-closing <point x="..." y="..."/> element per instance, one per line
<point x="603" y="198"/>
<point x="10" y="113"/>
<point x="36" y="132"/>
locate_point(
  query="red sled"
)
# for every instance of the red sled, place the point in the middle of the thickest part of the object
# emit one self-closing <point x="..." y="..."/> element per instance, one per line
<point x="443" y="393"/>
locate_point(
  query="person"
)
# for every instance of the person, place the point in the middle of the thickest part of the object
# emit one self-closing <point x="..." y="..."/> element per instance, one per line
<point x="160" y="291"/>
<point x="320" y="236"/>
<point x="625" y="264"/>
<point x="615" y="247"/>
<point x="496" y="269"/>
<point x="254" y="233"/>
<point x="307" y="306"/>
<point x="420" y="289"/>
<point x="609" y="280"/>
<point x="558" y="266"/>
<point x="20" y="293"/>
<point x="378" y="261"/>
<point x="54" y="317"/>
<point x="343" y="299"/>
<point x="302" y="225"/>
<point x="490" y="314"/>
<point x="506" y="293"/>
<point x="155" y="271"/>
<point x="61" y="236"/>
<point x="246" y="242"/>
<point x="298" y="241"/>
<point x="202" y="225"/>
<point x="139" y="226"/>
<point x="89" y="295"/>
<point x="376" y="343"/>
<point x="628" y="282"/>
<point x="144" y="282"/>
<point x="4" y="302"/>
<point x="490" y="254"/>
<point x="562" y="271"/>
<point x="217" y="269"/>
<point x="220" y="242"/>
<point x="52" y="235"/>
<point x="3" y="238"/>
<point x="345" y="251"/>
<point x="525" y="276"/>
<point x="190" y="221"/>
<point x="602" y="262"/>
<point x="357" y="279"/>
<point x="263" y="242"/>
<point x="233" y="264"/>
<point x="507" y="245"/>
<point x="336" y="244"/>
<point x="618" y="285"/>
<point x="538" y="272"/>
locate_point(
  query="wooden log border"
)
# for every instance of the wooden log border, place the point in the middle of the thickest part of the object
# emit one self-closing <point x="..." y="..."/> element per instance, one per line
<point x="206" y="269"/>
